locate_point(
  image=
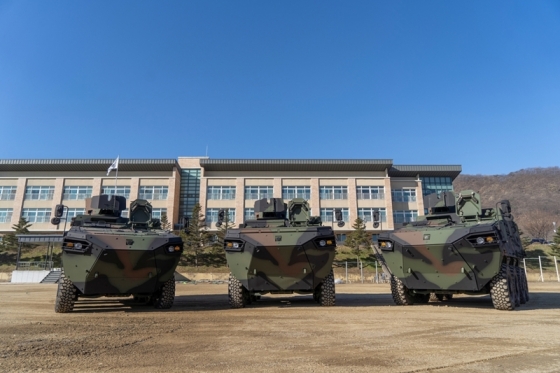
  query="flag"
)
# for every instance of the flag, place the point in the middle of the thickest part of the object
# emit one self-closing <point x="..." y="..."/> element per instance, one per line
<point x="114" y="166"/>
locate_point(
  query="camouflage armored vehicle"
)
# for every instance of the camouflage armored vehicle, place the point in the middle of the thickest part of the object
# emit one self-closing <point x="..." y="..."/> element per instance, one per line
<point x="458" y="248"/>
<point x="283" y="251"/>
<point x="104" y="254"/>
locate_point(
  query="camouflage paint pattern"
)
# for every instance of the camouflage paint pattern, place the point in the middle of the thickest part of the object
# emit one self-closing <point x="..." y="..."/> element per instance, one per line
<point x="119" y="258"/>
<point x="440" y="251"/>
<point x="277" y="253"/>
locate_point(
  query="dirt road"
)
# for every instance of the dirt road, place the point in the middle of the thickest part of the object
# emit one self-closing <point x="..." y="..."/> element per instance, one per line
<point x="364" y="333"/>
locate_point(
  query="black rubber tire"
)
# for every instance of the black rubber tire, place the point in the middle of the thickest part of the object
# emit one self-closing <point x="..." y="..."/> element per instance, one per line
<point x="236" y="293"/>
<point x="401" y="295"/>
<point x="164" y="298"/>
<point x="327" y="294"/>
<point x="501" y="292"/>
<point x="65" y="295"/>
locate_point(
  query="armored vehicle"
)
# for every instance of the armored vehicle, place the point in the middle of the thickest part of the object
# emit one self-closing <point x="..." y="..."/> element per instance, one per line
<point x="104" y="254"/>
<point x="458" y="247"/>
<point x="284" y="250"/>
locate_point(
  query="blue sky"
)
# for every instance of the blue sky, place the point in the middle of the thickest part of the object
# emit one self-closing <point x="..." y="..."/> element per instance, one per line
<point x="475" y="83"/>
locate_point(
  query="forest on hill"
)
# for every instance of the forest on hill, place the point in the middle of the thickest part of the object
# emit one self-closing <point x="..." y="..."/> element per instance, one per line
<point x="534" y="194"/>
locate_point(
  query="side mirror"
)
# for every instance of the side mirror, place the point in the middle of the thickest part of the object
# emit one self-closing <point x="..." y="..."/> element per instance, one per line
<point x="55" y="221"/>
<point x="59" y="211"/>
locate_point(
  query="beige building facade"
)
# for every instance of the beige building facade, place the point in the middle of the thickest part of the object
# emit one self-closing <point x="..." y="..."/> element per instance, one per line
<point x="31" y="188"/>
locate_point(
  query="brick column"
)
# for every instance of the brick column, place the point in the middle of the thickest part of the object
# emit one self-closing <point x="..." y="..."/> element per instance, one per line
<point x="419" y="197"/>
<point x="239" y="200"/>
<point x="389" y="225"/>
<point x="134" y="188"/>
<point x="277" y="185"/>
<point x="352" y="200"/>
<point x="315" y="204"/>
<point x="96" y="190"/>
<point x="203" y="196"/>
<point x="18" y="200"/>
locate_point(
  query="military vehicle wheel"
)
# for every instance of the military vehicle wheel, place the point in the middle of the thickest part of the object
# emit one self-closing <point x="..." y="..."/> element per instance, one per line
<point x="401" y="295"/>
<point x="326" y="291"/>
<point x="65" y="295"/>
<point x="501" y="291"/>
<point x="165" y="297"/>
<point x="236" y="293"/>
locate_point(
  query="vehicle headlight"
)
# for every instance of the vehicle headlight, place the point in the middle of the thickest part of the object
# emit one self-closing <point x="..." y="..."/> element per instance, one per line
<point x="480" y="240"/>
<point x="171" y="249"/>
<point x="322" y="243"/>
<point x="78" y="246"/>
<point x="236" y="245"/>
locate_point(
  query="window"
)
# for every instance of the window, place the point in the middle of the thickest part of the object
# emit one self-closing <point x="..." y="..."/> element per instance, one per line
<point x="404" y="216"/>
<point x="404" y="195"/>
<point x="221" y="192"/>
<point x="258" y="192"/>
<point x="328" y="215"/>
<point x="77" y="192"/>
<point x="6" y="215"/>
<point x="120" y="191"/>
<point x="370" y="192"/>
<point x="290" y="192"/>
<point x="73" y="212"/>
<point x="190" y="191"/>
<point x="212" y="215"/>
<point x="153" y="192"/>
<point x="37" y="215"/>
<point x="39" y="192"/>
<point x="7" y="193"/>
<point x="340" y="238"/>
<point x="157" y="213"/>
<point x="436" y="185"/>
<point x="333" y="192"/>
<point x="249" y="214"/>
<point x="366" y="214"/>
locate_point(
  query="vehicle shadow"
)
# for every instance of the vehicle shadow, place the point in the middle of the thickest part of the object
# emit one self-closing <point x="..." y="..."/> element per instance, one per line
<point x="216" y="302"/>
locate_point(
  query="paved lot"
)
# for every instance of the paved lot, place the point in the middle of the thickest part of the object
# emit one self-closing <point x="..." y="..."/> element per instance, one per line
<point x="364" y="333"/>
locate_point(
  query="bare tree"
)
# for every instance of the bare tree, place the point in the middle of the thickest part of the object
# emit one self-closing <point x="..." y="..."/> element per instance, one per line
<point x="537" y="224"/>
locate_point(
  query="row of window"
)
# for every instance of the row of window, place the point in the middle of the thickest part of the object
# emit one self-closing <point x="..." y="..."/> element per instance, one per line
<point x="325" y="192"/>
<point x="43" y="215"/>
<point x="46" y="193"/>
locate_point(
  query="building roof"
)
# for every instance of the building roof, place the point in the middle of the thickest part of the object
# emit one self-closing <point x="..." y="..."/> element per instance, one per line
<point x="296" y="164"/>
<point x="86" y="164"/>
<point x="451" y="171"/>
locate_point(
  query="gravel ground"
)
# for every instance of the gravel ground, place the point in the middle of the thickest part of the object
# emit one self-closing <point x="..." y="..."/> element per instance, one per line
<point x="365" y="332"/>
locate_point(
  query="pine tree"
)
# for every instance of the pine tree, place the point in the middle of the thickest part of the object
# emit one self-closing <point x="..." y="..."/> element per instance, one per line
<point x="555" y="246"/>
<point x="359" y="239"/>
<point x="165" y="224"/>
<point x="196" y="235"/>
<point x="9" y="240"/>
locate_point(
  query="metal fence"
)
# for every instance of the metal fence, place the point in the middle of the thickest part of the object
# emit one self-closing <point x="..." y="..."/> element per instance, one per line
<point x="355" y="271"/>
<point x="541" y="268"/>
<point x="43" y="264"/>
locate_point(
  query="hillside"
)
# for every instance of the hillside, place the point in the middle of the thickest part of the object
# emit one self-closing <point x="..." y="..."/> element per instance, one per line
<point x="534" y="194"/>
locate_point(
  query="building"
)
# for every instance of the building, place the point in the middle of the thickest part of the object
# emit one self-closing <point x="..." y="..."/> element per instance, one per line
<point x="32" y="188"/>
